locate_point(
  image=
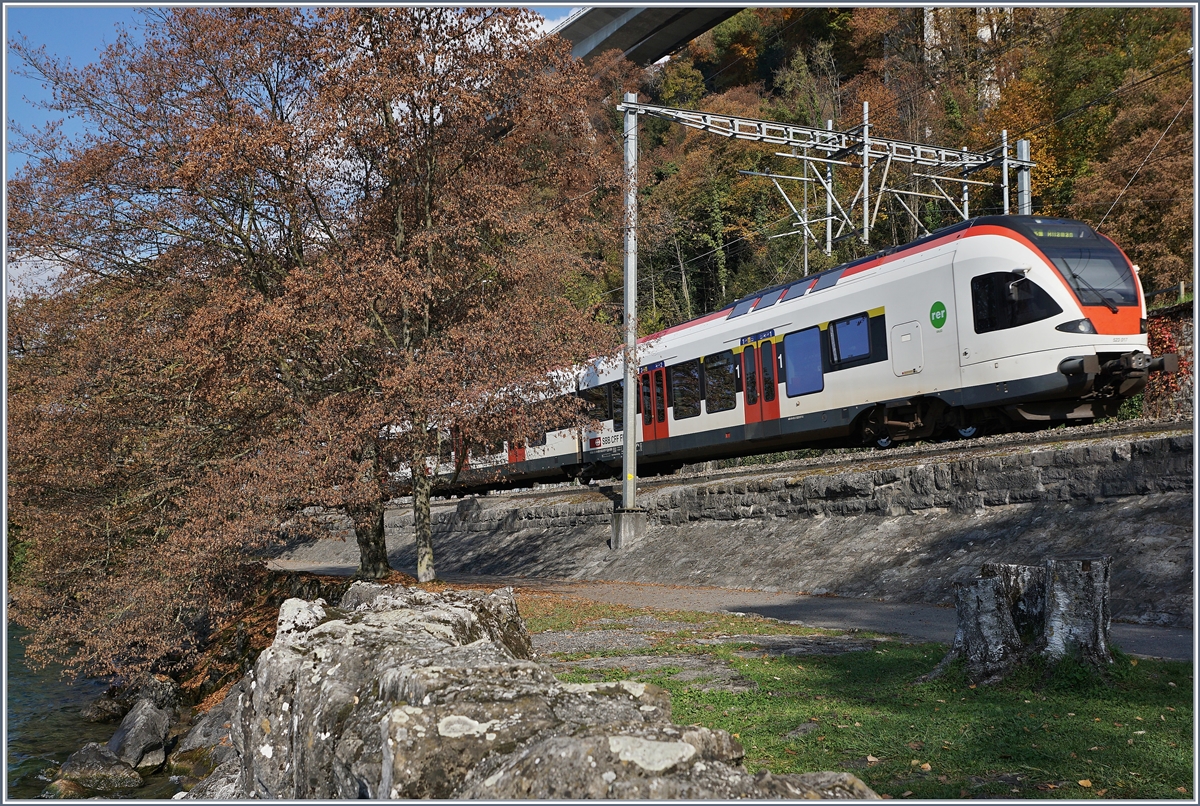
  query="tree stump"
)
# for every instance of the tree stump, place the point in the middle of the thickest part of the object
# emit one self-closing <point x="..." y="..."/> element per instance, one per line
<point x="1077" y="614"/>
<point x="1024" y="588"/>
<point x="986" y="637"/>
<point x="1015" y="612"/>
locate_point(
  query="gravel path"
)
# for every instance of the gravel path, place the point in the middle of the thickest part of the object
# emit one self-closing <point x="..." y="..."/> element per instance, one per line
<point x="915" y="621"/>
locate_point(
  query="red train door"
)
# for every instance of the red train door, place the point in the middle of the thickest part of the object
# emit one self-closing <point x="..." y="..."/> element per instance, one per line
<point x="653" y="400"/>
<point x="760" y="381"/>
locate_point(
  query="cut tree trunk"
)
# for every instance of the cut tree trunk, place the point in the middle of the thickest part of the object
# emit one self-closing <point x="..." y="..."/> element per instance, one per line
<point x="422" y="523"/>
<point x="1024" y="589"/>
<point x="1077" y="611"/>
<point x="986" y="638"/>
<point x="1015" y="612"/>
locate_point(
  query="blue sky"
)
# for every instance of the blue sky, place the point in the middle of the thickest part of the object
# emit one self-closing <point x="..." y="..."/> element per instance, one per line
<point x="79" y="33"/>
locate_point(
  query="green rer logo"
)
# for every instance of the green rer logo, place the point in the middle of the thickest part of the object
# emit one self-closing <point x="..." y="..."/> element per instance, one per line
<point x="937" y="315"/>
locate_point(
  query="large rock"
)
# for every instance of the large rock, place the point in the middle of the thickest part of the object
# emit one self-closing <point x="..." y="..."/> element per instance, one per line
<point x="96" y="767"/>
<point x="208" y="743"/>
<point x="223" y="784"/>
<point x="161" y="690"/>
<point x="402" y="693"/>
<point x="212" y="730"/>
<point x="650" y="763"/>
<point x="62" y="789"/>
<point x="141" y="740"/>
<point x="111" y="706"/>
<point x="114" y="704"/>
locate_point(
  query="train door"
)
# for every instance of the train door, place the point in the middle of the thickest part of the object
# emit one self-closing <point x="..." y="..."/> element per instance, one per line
<point x="653" y="398"/>
<point x="760" y="388"/>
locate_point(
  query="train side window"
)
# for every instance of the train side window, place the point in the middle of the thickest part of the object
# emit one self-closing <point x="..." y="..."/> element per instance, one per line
<point x="802" y="362"/>
<point x="750" y="386"/>
<point x="1002" y="300"/>
<point x="720" y="382"/>
<point x="660" y="398"/>
<point x="596" y="398"/>
<point x="685" y="389"/>
<point x="645" y="408"/>
<point x="850" y="338"/>
<point x="768" y="371"/>
<point x="617" y="390"/>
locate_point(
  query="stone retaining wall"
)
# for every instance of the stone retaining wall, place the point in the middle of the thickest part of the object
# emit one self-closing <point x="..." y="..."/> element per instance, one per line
<point x="886" y="530"/>
<point x="892" y="528"/>
<point x="1086" y="473"/>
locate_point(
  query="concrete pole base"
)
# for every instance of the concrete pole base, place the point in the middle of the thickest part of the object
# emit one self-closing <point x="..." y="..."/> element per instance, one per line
<point x="628" y="527"/>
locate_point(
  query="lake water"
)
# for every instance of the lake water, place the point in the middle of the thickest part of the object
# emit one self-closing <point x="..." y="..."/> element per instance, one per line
<point x="44" y="725"/>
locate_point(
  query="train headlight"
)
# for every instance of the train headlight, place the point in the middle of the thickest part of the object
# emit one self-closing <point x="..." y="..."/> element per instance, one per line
<point x="1084" y="326"/>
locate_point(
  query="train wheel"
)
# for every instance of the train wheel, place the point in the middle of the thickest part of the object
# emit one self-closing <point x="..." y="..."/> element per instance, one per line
<point x="884" y="442"/>
<point x="968" y="432"/>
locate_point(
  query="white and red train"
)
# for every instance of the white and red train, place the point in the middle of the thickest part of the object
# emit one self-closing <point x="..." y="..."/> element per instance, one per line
<point x="1000" y="321"/>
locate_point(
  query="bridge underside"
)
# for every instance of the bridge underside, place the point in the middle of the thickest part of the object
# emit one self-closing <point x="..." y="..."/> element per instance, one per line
<point x="644" y="35"/>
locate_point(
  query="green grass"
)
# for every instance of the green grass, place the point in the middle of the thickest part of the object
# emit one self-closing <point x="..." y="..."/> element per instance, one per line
<point x="1127" y="733"/>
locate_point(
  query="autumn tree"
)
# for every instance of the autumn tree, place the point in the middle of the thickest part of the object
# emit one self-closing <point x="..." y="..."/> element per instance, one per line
<point x="180" y="201"/>
<point x="298" y="251"/>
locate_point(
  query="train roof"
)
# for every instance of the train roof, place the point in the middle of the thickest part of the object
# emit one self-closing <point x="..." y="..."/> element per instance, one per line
<point x="766" y="297"/>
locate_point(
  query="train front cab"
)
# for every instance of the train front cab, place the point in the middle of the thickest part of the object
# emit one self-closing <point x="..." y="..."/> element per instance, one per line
<point x="1051" y="321"/>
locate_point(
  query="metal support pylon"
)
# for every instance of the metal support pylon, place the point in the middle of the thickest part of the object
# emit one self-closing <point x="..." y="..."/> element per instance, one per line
<point x="858" y="147"/>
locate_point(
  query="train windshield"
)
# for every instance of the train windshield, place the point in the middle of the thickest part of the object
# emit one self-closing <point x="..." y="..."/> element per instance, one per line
<point x="1095" y="268"/>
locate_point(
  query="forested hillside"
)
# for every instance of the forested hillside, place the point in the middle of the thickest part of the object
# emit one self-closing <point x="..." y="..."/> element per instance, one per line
<point x="1103" y="94"/>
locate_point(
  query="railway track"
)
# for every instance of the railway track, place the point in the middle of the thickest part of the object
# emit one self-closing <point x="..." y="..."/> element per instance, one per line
<point x="845" y="458"/>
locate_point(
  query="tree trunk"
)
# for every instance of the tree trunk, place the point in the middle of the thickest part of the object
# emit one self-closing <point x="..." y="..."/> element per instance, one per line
<point x="422" y="490"/>
<point x="1077" y="614"/>
<point x="372" y="547"/>
<point x="987" y="638"/>
<point x="1024" y="588"/>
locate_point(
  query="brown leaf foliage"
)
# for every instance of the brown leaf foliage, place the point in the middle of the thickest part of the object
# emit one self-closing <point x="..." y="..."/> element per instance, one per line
<point x="296" y="250"/>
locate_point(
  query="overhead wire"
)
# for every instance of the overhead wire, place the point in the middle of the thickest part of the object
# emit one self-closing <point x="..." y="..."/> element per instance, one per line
<point x="1148" y="155"/>
<point x="1116" y="92"/>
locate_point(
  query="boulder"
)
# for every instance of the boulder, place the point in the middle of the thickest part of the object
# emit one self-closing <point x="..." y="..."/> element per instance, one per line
<point x="223" y="784"/>
<point x="114" y="704"/>
<point x="62" y="789"/>
<point x="208" y="743"/>
<point x="96" y="767"/>
<point x="211" y="731"/>
<point x="141" y="740"/>
<point x="111" y="706"/>
<point x="160" y="690"/>
<point x="401" y="693"/>
<point x="666" y="763"/>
